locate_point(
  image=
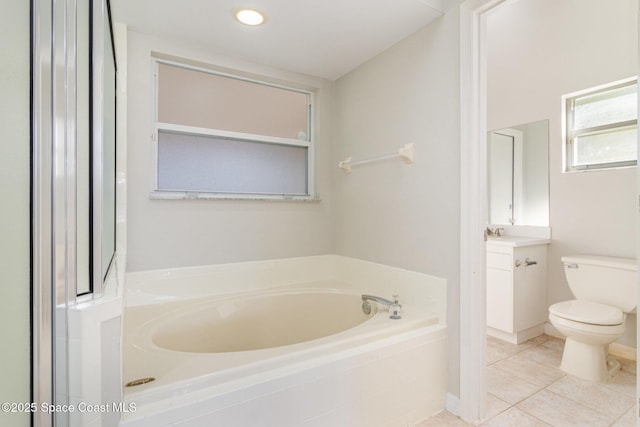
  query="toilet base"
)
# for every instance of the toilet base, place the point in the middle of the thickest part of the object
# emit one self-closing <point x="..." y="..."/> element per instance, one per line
<point x="587" y="361"/>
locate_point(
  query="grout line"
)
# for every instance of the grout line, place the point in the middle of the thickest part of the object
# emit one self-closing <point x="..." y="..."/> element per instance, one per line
<point x="534" y="416"/>
<point x="546" y="348"/>
<point x="544" y="365"/>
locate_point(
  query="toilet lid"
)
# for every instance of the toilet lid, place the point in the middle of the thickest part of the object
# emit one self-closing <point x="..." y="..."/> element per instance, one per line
<point x="588" y="312"/>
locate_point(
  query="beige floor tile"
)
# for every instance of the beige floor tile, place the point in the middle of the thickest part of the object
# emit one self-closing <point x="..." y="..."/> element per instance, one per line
<point x="508" y="387"/>
<point x="540" y="339"/>
<point x="495" y="406"/>
<point x="596" y="396"/>
<point x="514" y="417"/>
<point x="518" y="375"/>
<point x="555" y="343"/>
<point x="498" y="349"/>
<point x="623" y="382"/>
<point x="542" y="354"/>
<point x="559" y="411"/>
<point x="443" y="419"/>
<point x="627" y="420"/>
<point x="529" y="370"/>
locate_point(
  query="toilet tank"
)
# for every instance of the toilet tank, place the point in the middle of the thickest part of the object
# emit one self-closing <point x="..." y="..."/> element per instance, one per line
<point x="607" y="280"/>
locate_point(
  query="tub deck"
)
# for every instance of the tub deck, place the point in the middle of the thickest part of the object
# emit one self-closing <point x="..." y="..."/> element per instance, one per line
<point x="382" y="359"/>
<point x="177" y="373"/>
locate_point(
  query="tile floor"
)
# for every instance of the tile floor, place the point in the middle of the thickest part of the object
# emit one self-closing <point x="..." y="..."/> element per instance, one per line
<point x="526" y="388"/>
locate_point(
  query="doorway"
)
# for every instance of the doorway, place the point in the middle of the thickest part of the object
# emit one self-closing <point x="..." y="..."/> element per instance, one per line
<point x="474" y="204"/>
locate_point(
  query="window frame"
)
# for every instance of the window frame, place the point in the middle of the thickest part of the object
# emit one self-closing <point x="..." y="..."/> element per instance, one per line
<point x="158" y="126"/>
<point x="569" y="133"/>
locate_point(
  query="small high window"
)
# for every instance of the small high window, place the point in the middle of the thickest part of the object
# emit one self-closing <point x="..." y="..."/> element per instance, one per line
<point x="219" y="135"/>
<point x="601" y="127"/>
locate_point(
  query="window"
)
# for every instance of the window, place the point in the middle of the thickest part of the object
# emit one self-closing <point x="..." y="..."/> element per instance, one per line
<point x="219" y="135"/>
<point x="601" y="127"/>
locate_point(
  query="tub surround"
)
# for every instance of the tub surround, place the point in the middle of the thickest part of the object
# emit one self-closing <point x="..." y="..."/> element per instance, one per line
<point x="90" y="334"/>
<point x="156" y="286"/>
<point x="338" y="379"/>
<point x="181" y="374"/>
<point x="364" y="387"/>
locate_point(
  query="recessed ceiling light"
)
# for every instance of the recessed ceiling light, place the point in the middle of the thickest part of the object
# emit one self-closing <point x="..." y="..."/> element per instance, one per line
<point x="249" y="16"/>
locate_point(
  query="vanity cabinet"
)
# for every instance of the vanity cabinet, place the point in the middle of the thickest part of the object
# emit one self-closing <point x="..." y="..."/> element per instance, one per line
<point x="516" y="288"/>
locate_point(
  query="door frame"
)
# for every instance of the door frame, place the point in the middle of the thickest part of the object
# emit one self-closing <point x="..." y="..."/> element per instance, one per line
<point x="517" y="173"/>
<point x="473" y="207"/>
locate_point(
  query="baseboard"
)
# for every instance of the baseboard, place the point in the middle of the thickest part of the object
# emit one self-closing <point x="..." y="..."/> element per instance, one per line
<point x="623" y="351"/>
<point x="518" y="337"/>
<point x="453" y="404"/>
<point x="550" y="330"/>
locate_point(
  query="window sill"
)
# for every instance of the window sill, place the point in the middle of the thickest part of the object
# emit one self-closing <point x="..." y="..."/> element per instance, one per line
<point x="195" y="195"/>
<point x="596" y="169"/>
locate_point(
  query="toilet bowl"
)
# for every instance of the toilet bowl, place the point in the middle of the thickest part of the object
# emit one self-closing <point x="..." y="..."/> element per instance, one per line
<point x="605" y="290"/>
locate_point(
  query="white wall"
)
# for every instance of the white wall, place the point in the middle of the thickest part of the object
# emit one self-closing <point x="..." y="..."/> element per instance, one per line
<point x="538" y="51"/>
<point x="173" y="233"/>
<point x="14" y="227"/>
<point x="388" y="212"/>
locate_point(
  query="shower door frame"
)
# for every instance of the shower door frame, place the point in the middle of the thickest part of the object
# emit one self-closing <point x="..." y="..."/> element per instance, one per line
<point x="53" y="212"/>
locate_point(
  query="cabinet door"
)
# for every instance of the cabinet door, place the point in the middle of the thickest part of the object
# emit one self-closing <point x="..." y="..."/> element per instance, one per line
<point x="500" y="299"/>
<point x="530" y="287"/>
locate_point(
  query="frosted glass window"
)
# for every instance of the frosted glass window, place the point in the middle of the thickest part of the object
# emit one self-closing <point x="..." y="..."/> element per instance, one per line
<point x="220" y="165"/>
<point x="601" y="127"/>
<point x="609" y="147"/>
<point x="230" y="136"/>
<point x="603" y="108"/>
<point x="201" y="99"/>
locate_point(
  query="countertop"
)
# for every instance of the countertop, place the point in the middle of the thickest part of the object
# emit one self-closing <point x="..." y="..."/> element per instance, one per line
<point x="517" y="241"/>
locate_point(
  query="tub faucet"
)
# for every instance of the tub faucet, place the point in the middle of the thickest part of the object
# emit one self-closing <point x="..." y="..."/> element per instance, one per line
<point x="394" y="307"/>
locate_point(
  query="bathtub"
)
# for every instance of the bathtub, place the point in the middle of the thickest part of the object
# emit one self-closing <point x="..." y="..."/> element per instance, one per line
<point x="295" y="355"/>
<point x="255" y="321"/>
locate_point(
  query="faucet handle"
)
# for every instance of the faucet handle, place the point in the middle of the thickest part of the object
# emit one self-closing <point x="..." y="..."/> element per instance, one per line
<point x="494" y="231"/>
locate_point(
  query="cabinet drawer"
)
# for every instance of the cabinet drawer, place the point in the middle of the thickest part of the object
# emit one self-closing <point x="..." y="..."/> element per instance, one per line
<point x="500" y="249"/>
<point x="499" y="261"/>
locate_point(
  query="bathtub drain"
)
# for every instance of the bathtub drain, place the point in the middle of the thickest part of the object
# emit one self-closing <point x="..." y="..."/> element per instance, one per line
<point x="139" y="382"/>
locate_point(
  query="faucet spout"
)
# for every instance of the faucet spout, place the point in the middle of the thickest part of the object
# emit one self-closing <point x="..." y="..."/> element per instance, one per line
<point x="387" y="303"/>
<point x="394" y="307"/>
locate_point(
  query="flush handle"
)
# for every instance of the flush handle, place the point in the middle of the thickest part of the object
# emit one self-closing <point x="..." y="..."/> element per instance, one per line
<point x="571" y="265"/>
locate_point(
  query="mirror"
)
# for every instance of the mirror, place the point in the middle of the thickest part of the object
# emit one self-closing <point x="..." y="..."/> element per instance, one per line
<point x="518" y="175"/>
<point x="103" y="143"/>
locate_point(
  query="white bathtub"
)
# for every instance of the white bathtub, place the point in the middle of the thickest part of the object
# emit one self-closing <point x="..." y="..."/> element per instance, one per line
<point x="285" y="356"/>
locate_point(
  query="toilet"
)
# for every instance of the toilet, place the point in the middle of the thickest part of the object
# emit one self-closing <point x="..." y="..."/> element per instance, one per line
<point x="605" y="291"/>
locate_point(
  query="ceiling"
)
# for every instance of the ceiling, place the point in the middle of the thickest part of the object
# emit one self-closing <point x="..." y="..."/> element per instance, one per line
<point x="323" y="38"/>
